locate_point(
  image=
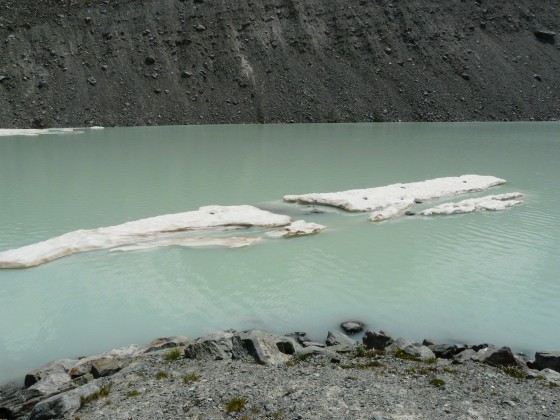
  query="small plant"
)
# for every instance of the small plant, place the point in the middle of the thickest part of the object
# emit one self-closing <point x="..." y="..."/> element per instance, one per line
<point x="351" y="378"/>
<point x="133" y="393"/>
<point x="173" y="355"/>
<point x="161" y="375"/>
<point x="191" y="377"/>
<point x="362" y="351"/>
<point x="401" y="354"/>
<point x="514" y="372"/>
<point x="103" y="392"/>
<point x="421" y="370"/>
<point x="437" y="382"/>
<point x="235" y="405"/>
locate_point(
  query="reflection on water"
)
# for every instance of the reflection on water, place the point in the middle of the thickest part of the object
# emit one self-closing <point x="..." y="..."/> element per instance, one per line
<point x="491" y="277"/>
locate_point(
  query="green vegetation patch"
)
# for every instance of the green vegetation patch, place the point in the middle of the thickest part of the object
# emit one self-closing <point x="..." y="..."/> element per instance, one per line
<point x="437" y="382"/>
<point x="235" y="405"/>
<point x="173" y="355"/>
<point x="103" y="392"/>
<point x="191" y="377"/>
<point x="514" y="372"/>
<point x="133" y="393"/>
<point x="161" y="375"/>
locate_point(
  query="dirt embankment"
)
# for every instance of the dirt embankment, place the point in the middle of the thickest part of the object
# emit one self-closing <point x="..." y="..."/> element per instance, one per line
<point x="151" y="62"/>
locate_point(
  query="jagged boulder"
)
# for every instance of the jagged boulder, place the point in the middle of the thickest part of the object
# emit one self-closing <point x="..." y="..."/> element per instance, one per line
<point x="263" y="347"/>
<point x="266" y="348"/>
<point x="336" y="338"/>
<point x="166" y="343"/>
<point x="61" y="405"/>
<point x="376" y="340"/>
<point x="547" y="359"/>
<point x="446" y="351"/>
<point x="53" y="383"/>
<point x="218" y="346"/>
<point x="495" y="356"/>
<point x="58" y="366"/>
<point x="464" y="356"/>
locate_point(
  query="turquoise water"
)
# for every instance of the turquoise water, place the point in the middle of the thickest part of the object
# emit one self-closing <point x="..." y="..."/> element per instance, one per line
<point x="487" y="277"/>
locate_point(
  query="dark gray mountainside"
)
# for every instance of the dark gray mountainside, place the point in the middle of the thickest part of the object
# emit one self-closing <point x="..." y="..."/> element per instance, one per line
<point x="151" y="62"/>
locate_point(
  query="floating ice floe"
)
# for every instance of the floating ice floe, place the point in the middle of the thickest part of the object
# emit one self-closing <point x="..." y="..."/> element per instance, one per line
<point x="144" y="230"/>
<point x="392" y="200"/>
<point x="297" y="228"/>
<point x="488" y="203"/>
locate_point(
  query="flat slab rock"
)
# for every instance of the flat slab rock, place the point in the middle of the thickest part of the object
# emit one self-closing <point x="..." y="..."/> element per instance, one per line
<point x="488" y="203"/>
<point x="139" y="231"/>
<point x="392" y="200"/>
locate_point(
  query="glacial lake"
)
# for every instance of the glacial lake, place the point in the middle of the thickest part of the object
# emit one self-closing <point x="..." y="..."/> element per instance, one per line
<point x="484" y="277"/>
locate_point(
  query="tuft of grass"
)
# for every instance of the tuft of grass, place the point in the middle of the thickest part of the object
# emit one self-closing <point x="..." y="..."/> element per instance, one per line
<point x="133" y="393"/>
<point x="161" y="375"/>
<point x="437" y="382"/>
<point x="235" y="405"/>
<point x="401" y="354"/>
<point x="514" y="372"/>
<point x="351" y="378"/>
<point x="191" y="377"/>
<point x="421" y="370"/>
<point x="103" y="392"/>
<point x="362" y="351"/>
<point x="173" y="355"/>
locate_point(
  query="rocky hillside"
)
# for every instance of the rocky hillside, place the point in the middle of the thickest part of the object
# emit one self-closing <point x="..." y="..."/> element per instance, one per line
<point x="142" y="62"/>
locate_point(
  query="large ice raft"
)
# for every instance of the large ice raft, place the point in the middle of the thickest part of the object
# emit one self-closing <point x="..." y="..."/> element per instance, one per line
<point x="392" y="200"/>
<point x="142" y="231"/>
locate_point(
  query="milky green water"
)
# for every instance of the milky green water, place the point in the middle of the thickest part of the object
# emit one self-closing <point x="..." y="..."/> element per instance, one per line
<point x="487" y="277"/>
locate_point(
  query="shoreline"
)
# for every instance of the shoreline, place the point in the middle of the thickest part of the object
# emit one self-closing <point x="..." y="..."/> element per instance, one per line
<point x="64" y="385"/>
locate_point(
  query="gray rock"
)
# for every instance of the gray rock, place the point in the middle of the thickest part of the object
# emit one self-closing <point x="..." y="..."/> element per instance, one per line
<point x="376" y="340"/>
<point x="64" y="404"/>
<point x="166" y="343"/>
<point x="186" y="74"/>
<point x="419" y="351"/>
<point x="464" y="356"/>
<point x="53" y="383"/>
<point x="495" y="356"/>
<point x="352" y="327"/>
<point x="547" y="37"/>
<point x="2" y="78"/>
<point x="58" y="366"/>
<point x="105" y="366"/>
<point x="335" y="338"/>
<point x="550" y="375"/>
<point x="446" y="351"/>
<point x="92" y="81"/>
<point x="149" y="61"/>
<point x="267" y="348"/>
<point x="200" y="28"/>
<point x="399" y="343"/>
<point x="547" y="359"/>
<point x="312" y="350"/>
<point x="217" y="346"/>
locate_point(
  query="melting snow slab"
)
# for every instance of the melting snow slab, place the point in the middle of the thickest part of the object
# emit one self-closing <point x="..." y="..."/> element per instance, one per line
<point x="392" y="200"/>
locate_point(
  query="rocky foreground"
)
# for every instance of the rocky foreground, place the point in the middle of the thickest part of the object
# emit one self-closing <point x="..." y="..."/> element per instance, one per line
<point x="255" y="374"/>
<point x="72" y="63"/>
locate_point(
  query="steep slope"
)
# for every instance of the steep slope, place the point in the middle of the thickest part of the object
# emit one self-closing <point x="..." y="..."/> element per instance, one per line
<point x="144" y="62"/>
